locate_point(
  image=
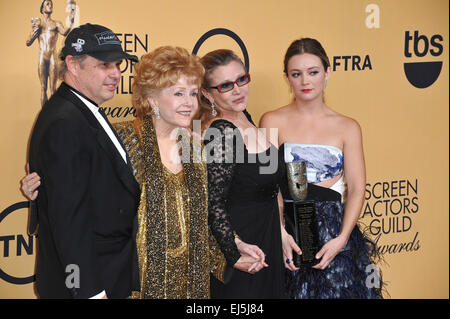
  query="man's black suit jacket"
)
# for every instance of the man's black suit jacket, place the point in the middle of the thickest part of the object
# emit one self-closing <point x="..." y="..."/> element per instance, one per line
<point x="86" y="207"/>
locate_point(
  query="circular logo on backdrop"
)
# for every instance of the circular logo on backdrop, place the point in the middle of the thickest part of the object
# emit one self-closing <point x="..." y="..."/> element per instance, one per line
<point x="226" y="32"/>
<point x="422" y="74"/>
<point x="20" y="242"/>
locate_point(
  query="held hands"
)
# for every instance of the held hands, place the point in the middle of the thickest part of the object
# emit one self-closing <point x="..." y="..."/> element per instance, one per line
<point x="252" y="257"/>
<point x="29" y="184"/>
<point x="289" y="245"/>
<point x="329" y="251"/>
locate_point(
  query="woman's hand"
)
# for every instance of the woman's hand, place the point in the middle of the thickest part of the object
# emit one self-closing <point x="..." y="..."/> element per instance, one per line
<point x="289" y="245"/>
<point x="252" y="257"/>
<point x="329" y="251"/>
<point x="29" y="184"/>
<point x="248" y="264"/>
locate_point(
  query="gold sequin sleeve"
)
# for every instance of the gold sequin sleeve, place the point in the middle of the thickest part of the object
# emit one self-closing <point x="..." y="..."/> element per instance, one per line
<point x="129" y="133"/>
<point x="217" y="262"/>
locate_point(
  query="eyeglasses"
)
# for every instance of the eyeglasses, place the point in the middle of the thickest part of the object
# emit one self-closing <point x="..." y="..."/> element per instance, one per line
<point x="228" y="86"/>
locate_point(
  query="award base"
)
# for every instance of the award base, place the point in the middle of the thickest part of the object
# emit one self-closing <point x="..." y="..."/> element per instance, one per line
<point x="301" y="223"/>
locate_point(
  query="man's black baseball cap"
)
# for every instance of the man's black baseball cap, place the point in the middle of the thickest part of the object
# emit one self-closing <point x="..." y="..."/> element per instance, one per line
<point x="97" y="41"/>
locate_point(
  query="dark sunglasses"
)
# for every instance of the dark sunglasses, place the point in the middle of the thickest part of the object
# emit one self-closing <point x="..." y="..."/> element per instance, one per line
<point x="228" y="86"/>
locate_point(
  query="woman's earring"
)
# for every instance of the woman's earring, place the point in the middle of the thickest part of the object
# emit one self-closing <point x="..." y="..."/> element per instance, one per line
<point x="213" y="109"/>
<point x="326" y="83"/>
<point x="156" y="112"/>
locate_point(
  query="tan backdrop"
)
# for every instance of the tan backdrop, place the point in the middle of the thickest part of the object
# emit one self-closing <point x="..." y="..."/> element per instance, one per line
<point x="405" y="128"/>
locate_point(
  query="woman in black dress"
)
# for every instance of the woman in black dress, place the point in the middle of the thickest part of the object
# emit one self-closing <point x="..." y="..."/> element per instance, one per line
<point x="243" y="180"/>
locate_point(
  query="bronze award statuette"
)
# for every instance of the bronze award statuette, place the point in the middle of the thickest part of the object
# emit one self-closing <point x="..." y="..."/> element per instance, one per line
<point x="300" y="216"/>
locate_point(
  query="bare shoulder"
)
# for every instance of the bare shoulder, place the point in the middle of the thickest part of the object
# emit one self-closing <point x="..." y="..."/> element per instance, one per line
<point x="348" y="126"/>
<point x="275" y="117"/>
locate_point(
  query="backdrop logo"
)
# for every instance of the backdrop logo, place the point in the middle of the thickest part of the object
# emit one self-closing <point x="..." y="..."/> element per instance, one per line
<point x="23" y="245"/>
<point x="226" y="32"/>
<point x="352" y="62"/>
<point x="390" y="211"/>
<point x="134" y="44"/>
<point x="422" y="74"/>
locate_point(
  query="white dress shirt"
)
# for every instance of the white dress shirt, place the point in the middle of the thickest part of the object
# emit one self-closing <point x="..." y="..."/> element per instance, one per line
<point x="94" y="109"/>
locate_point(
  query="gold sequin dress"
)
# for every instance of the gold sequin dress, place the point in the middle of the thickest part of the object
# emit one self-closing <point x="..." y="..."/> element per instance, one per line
<point x="178" y="227"/>
<point x="175" y="248"/>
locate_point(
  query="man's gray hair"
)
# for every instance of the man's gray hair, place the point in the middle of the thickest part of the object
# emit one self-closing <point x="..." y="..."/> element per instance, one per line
<point x="62" y="67"/>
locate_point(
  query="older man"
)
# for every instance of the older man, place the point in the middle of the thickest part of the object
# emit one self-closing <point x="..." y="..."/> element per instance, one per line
<point x="88" y="198"/>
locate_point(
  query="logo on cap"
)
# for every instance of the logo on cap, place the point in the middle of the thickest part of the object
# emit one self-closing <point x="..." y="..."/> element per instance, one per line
<point x="79" y="45"/>
<point x="107" y="37"/>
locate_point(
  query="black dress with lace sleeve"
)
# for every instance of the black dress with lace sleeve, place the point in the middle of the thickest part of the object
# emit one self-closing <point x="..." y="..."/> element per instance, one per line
<point x="243" y="190"/>
<point x="219" y="143"/>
